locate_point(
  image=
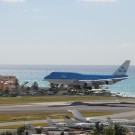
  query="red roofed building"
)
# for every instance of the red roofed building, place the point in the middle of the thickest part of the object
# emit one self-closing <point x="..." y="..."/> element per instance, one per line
<point x="7" y="82"/>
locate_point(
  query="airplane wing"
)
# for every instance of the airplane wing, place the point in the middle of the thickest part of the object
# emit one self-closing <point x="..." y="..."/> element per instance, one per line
<point x="102" y="81"/>
<point x="97" y="80"/>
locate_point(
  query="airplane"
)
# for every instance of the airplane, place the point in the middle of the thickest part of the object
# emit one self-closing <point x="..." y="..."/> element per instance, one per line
<point x="29" y="129"/>
<point x="125" y="122"/>
<point x="88" y="80"/>
<point x="130" y="129"/>
<point x="78" y="116"/>
<point x="62" y="126"/>
<point x="71" y="124"/>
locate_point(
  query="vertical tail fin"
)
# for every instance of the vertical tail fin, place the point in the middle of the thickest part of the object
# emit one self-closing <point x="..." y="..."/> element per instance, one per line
<point x="30" y="127"/>
<point x="122" y="70"/>
<point x="50" y="122"/>
<point x="78" y="116"/>
<point x="57" y="125"/>
<point x="69" y="122"/>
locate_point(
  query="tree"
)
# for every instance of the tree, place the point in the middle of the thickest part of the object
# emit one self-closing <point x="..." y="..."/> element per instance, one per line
<point x="35" y="86"/>
<point x="24" y="85"/>
<point x="115" y="129"/>
<point x="16" y="83"/>
<point x="109" y="131"/>
<point x="119" y="130"/>
<point x="6" y="91"/>
<point x="54" y="88"/>
<point x="98" y="130"/>
<point x="7" y="133"/>
<point x="20" y="130"/>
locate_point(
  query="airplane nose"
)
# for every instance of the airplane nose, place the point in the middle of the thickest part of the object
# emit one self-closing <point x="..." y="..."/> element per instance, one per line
<point x="45" y="78"/>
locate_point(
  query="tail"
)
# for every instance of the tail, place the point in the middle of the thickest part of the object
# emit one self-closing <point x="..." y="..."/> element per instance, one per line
<point x="30" y="127"/>
<point x="77" y="115"/>
<point x="122" y="70"/>
<point x="53" y="124"/>
<point x="69" y="121"/>
<point x="50" y="122"/>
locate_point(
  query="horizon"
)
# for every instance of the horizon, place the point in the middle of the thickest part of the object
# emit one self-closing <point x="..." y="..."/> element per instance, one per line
<point x="54" y="65"/>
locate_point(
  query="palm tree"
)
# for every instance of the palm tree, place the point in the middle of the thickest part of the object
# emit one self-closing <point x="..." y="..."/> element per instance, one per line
<point x="54" y="88"/>
<point x="119" y="130"/>
<point x="20" y="130"/>
<point x="98" y="130"/>
<point x="35" y="86"/>
<point x="109" y="131"/>
<point x="16" y="83"/>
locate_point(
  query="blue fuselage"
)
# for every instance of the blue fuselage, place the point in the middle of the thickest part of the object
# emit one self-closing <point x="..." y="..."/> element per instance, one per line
<point x="63" y="76"/>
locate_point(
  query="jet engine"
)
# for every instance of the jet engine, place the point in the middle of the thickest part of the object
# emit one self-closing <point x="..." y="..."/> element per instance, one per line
<point x="88" y="85"/>
<point x="110" y="82"/>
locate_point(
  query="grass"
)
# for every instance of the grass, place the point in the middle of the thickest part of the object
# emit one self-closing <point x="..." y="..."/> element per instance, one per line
<point x="28" y="116"/>
<point x="38" y="99"/>
<point x="17" y="126"/>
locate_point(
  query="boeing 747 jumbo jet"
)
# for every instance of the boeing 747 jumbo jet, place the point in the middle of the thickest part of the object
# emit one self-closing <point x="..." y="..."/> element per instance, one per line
<point x="88" y="80"/>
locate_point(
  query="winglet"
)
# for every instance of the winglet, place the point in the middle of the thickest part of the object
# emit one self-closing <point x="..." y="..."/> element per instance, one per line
<point x="122" y="70"/>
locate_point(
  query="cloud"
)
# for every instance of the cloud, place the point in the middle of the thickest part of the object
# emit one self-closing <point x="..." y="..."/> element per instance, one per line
<point x="98" y="0"/>
<point x="125" y="45"/>
<point x="13" y="1"/>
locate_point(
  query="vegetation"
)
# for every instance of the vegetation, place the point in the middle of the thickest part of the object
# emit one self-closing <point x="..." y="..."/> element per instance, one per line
<point x="35" y="86"/>
<point x="8" y="133"/>
<point x="16" y="83"/>
<point x="111" y="130"/>
<point x="20" y="130"/>
<point x="98" y="130"/>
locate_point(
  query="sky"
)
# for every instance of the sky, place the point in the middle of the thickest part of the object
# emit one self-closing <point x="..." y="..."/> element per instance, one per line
<point x="67" y="32"/>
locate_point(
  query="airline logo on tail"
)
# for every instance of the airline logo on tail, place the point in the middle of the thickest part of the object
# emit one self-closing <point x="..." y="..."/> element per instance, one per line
<point x="123" y="70"/>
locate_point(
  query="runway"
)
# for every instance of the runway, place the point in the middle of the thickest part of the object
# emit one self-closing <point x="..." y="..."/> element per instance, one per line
<point x="108" y="106"/>
<point x="120" y="109"/>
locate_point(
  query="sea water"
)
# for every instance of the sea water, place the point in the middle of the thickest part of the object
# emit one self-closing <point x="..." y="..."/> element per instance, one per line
<point x="32" y="73"/>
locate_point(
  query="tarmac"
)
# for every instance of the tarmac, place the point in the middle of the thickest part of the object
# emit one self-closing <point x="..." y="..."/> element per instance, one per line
<point x="112" y="106"/>
<point x="120" y="109"/>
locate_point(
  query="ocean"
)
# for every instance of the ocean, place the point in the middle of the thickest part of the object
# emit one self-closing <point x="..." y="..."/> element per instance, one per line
<point x="32" y="73"/>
